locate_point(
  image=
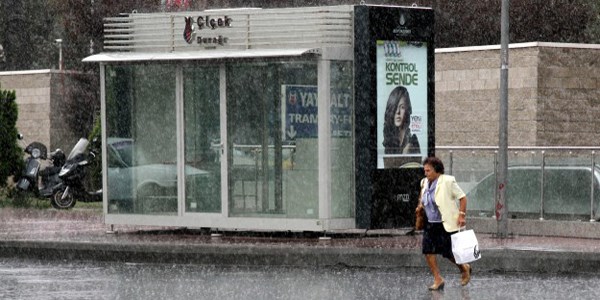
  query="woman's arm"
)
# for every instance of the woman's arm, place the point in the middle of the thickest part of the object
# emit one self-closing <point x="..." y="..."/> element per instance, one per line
<point x="462" y="212"/>
<point x="420" y="204"/>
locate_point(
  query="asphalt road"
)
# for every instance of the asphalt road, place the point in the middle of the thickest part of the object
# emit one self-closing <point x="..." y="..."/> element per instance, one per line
<point x="51" y="279"/>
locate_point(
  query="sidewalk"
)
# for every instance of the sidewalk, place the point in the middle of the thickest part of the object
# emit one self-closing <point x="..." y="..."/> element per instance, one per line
<point x="82" y="234"/>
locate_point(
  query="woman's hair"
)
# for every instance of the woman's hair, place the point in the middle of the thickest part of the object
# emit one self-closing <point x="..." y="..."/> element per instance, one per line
<point x="435" y="163"/>
<point x="390" y="131"/>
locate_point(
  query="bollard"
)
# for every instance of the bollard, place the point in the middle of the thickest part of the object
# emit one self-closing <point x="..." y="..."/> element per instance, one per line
<point x="592" y="217"/>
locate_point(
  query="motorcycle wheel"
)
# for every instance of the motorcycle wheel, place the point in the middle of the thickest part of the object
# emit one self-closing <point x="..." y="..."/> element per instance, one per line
<point x="59" y="203"/>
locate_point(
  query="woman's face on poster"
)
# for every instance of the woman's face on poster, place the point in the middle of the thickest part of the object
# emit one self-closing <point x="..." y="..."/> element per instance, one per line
<point x="400" y="112"/>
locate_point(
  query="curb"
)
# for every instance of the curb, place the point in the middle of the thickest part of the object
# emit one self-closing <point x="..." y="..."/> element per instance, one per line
<point x="493" y="260"/>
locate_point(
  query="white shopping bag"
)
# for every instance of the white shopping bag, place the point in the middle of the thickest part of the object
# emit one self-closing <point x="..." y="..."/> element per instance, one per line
<point x="465" y="247"/>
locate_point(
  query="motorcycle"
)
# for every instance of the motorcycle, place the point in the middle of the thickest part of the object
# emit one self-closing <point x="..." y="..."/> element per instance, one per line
<point x="73" y="177"/>
<point x="50" y="182"/>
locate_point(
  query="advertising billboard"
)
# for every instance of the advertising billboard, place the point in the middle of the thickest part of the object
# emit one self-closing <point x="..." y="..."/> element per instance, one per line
<point x="394" y="116"/>
<point x="401" y="103"/>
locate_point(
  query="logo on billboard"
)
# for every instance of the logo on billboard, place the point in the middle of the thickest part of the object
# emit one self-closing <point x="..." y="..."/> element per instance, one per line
<point x="189" y="31"/>
<point x="402" y="20"/>
<point x="392" y="49"/>
<point x="403" y="197"/>
<point x="402" y="29"/>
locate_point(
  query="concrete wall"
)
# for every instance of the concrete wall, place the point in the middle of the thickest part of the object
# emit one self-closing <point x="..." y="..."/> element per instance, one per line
<point x="569" y="89"/>
<point x="50" y="102"/>
<point x="32" y="89"/>
<point x="554" y="95"/>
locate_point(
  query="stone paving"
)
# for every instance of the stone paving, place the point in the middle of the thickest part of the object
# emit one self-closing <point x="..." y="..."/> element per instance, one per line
<point x="81" y="233"/>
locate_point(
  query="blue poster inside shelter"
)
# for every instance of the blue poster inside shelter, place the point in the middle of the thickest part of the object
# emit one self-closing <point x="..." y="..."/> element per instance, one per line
<point x="300" y="112"/>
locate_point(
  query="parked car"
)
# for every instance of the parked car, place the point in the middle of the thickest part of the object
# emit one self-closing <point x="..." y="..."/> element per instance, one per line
<point x="139" y="187"/>
<point x="566" y="192"/>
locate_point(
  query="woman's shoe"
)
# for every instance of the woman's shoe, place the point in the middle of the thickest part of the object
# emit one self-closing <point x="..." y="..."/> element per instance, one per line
<point x="439" y="286"/>
<point x="466" y="276"/>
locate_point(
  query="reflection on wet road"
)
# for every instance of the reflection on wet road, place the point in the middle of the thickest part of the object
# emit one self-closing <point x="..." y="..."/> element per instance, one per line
<point x="33" y="279"/>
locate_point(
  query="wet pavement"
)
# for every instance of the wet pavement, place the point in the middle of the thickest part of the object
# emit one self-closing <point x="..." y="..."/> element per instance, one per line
<point x="43" y="279"/>
<point x="82" y="234"/>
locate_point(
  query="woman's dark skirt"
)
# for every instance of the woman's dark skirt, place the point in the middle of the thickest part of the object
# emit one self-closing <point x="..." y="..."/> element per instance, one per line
<point x="437" y="241"/>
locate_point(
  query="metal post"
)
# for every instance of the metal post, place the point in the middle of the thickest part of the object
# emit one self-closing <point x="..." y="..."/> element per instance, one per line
<point x="593" y="169"/>
<point x="60" y="55"/>
<point x="501" y="182"/>
<point x="2" y="57"/>
<point x="543" y="167"/>
<point x="495" y="174"/>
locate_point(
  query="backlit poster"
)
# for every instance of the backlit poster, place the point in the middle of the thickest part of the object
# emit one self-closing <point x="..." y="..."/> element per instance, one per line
<point x="401" y="103"/>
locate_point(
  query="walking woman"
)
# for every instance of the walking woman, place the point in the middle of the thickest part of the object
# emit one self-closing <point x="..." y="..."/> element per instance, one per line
<point x="439" y="194"/>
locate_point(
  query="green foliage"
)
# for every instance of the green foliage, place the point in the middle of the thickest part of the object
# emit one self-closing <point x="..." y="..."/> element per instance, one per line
<point x="475" y="22"/>
<point x="97" y="129"/>
<point x="4" y="194"/>
<point x="85" y="93"/>
<point x="28" y="28"/>
<point x="95" y="168"/>
<point x="592" y="30"/>
<point x="11" y="197"/>
<point x="11" y="158"/>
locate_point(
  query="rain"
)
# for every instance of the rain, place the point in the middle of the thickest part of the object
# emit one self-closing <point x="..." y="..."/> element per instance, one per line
<point x="233" y="149"/>
<point x="97" y="280"/>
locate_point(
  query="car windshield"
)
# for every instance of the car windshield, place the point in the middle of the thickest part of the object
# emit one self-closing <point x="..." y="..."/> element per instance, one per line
<point x="123" y="149"/>
<point x="79" y="148"/>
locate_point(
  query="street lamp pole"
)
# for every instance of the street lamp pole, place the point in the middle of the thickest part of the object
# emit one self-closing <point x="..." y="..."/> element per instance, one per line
<point x="60" y="56"/>
<point x="502" y="167"/>
<point x="2" y="57"/>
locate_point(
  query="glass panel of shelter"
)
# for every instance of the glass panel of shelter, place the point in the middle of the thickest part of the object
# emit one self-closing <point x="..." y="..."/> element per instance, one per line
<point x="141" y="139"/>
<point x="270" y="174"/>
<point x="202" y="138"/>
<point x="342" y="144"/>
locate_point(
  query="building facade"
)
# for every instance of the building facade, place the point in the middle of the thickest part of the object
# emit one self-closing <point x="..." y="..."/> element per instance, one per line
<point x="553" y="97"/>
<point x="56" y="108"/>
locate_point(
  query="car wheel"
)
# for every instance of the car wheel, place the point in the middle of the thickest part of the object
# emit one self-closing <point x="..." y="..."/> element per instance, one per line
<point x="59" y="203"/>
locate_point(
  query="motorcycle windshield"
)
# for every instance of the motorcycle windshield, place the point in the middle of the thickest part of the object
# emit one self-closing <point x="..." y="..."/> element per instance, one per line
<point x="79" y="148"/>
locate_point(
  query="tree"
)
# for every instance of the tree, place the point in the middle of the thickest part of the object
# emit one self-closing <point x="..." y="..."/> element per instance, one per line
<point x="28" y="28"/>
<point x="11" y="160"/>
<point x="83" y="29"/>
<point x="592" y="31"/>
<point x="27" y="31"/>
<point x="477" y="22"/>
